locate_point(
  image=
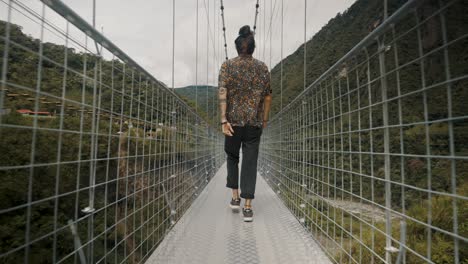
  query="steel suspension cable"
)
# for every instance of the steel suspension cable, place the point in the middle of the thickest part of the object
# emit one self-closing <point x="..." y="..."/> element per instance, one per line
<point x="304" y="116"/>
<point x="196" y="86"/>
<point x="269" y="33"/>
<point x="281" y="89"/>
<point x="305" y="43"/>
<point x="94" y="26"/>
<point x="282" y="37"/>
<point x="173" y="42"/>
<point x="220" y="36"/>
<point x="215" y="56"/>
<point x="209" y="27"/>
<point x="305" y="39"/>
<point x="264" y="31"/>
<point x="256" y="15"/>
<point x="269" y="30"/>
<point x="196" y="60"/>
<point x="207" y="51"/>
<point x="224" y="29"/>
<point x="219" y="62"/>
<point x="6" y="46"/>
<point x="224" y="24"/>
<point x="173" y="117"/>
<point x="211" y="37"/>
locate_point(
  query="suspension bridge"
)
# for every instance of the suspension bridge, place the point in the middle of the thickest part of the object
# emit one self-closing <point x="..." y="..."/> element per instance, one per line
<point x="100" y="162"/>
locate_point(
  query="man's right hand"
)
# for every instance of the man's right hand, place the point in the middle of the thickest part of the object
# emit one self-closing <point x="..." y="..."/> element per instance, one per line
<point x="227" y="129"/>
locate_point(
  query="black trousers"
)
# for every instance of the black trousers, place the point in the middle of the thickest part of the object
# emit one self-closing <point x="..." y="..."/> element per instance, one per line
<point x="249" y="138"/>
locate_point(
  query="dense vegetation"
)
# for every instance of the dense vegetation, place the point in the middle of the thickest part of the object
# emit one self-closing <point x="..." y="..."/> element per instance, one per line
<point x="207" y="98"/>
<point x="332" y="42"/>
<point x="323" y="50"/>
<point x="122" y="122"/>
<point x="339" y="130"/>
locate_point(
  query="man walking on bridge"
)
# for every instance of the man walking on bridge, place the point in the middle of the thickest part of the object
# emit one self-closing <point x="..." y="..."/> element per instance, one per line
<point x="244" y="99"/>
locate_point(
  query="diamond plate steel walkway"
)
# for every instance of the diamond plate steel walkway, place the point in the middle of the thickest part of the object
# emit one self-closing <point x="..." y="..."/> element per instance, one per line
<point x="210" y="232"/>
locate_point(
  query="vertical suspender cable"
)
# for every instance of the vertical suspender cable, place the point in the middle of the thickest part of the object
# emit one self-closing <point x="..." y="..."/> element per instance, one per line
<point x="271" y="32"/>
<point x="218" y="38"/>
<point x="304" y="115"/>
<point x="196" y="89"/>
<point x="173" y="108"/>
<point x="207" y="73"/>
<point x="208" y="115"/>
<point x="196" y="61"/>
<point x="305" y="42"/>
<point x="94" y="13"/>
<point x="173" y="42"/>
<point x="94" y="26"/>
<point x="282" y="32"/>
<point x="219" y="42"/>
<point x="219" y="50"/>
<point x="256" y="15"/>
<point x="98" y="50"/>
<point x="6" y="49"/>
<point x="264" y="32"/>
<point x="224" y="29"/>
<point x="215" y="116"/>
<point x="207" y="55"/>
<point x="281" y="88"/>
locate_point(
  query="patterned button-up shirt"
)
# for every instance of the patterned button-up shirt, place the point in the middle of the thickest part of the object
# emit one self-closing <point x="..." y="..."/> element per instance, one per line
<point x="247" y="81"/>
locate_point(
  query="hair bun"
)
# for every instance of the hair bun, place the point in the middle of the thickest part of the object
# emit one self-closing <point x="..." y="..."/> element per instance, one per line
<point x="245" y="31"/>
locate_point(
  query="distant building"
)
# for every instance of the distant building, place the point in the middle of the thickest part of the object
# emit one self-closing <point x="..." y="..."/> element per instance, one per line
<point x="24" y="112"/>
<point x="27" y="112"/>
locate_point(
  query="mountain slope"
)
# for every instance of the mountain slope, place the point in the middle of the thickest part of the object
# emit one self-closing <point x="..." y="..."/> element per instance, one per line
<point x="205" y="97"/>
<point x="331" y="43"/>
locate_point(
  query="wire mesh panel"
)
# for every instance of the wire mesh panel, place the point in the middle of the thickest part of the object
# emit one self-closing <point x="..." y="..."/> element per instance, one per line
<point x="372" y="157"/>
<point x="98" y="158"/>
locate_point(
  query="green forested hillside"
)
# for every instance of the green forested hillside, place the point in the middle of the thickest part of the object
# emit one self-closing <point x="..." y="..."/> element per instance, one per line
<point x="331" y="43"/>
<point x="344" y="31"/>
<point x="347" y="123"/>
<point x="123" y="118"/>
<point x="207" y="99"/>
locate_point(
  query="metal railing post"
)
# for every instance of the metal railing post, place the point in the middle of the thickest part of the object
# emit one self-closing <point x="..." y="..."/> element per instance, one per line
<point x="388" y="191"/>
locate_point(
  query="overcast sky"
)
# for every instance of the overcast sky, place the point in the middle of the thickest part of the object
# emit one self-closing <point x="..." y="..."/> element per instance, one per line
<point x="143" y="29"/>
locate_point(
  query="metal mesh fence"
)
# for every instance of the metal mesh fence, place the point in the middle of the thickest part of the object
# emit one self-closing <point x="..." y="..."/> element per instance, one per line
<point x="97" y="158"/>
<point x="372" y="157"/>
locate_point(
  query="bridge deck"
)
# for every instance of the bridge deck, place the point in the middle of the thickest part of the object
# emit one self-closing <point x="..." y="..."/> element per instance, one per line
<point x="210" y="232"/>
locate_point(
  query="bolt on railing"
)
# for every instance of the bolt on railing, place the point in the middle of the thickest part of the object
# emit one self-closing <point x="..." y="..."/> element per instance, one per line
<point x="372" y="158"/>
<point x="98" y="159"/>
